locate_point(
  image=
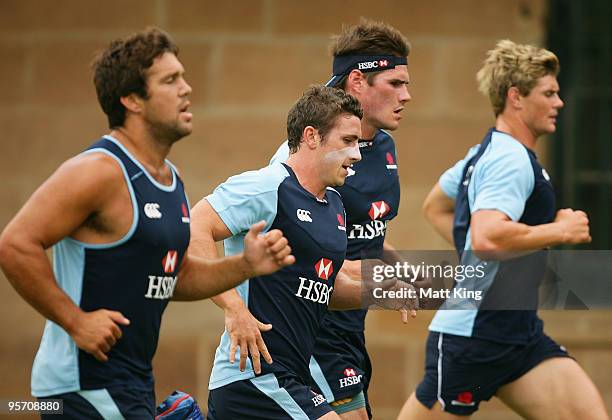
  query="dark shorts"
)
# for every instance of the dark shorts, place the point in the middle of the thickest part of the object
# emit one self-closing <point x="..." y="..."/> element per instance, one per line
<point x="272" y="396"/>
<point x="340" y="367"/>
<point x="107" y="403"/>
<point x="460" y="372"/>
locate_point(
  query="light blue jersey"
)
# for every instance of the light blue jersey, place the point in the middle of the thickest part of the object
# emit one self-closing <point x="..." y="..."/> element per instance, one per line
<point x="500" y="174"/>
<point x="294" y="299"/>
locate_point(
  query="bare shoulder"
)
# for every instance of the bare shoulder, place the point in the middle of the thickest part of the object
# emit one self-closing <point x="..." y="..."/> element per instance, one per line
<point x="95" y="165"/>
<point x="86" y="182"/>
<point x="82" y="188"/>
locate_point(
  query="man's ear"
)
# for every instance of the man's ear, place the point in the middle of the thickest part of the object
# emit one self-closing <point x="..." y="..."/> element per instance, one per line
<point x="132" y="103"/>
<point x="514" y="98"/>
<point x="355" y="82"/>
<point x="311" y="137"/>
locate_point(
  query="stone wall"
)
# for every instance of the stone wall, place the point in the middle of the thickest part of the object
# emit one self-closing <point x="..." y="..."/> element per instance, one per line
<point x="247" y="61"/>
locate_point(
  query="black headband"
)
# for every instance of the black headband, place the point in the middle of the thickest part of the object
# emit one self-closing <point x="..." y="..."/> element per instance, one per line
<point x="344" y="64"/>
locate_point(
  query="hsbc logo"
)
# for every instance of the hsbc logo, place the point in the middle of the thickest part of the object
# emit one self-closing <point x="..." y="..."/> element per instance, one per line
<point x="372" y="64"/>
<point x="185" y="218"/>
<point x="314" y="291"/>
<point x="318" y="399"/>
<point x="169" y="261"/>
<point x="379" y="210"/>
<point x="161" y="287"/>
<point x="341" y="222"/>
<point x="151" y="210"/>
<point x="324" y="268"/>
<point x="303" y="215"/>
<point x="370" y="230"/>
<point x="390" y="161"/>
<point x="351" y="378"/>
<point x="349" y="372"/>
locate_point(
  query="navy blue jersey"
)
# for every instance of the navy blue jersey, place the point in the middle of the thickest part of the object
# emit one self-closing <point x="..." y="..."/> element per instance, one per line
<point x="371" y="196"/>
<point x="295" y="298"/>
<point x="135" y="275"/>
<point x="499" y="174"/>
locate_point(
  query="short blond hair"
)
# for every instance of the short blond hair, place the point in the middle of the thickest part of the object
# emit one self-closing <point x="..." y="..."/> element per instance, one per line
<point x="510" y="64"/>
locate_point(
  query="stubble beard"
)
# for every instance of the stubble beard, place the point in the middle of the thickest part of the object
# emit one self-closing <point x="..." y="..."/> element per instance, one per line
<point x="167" y="133"/>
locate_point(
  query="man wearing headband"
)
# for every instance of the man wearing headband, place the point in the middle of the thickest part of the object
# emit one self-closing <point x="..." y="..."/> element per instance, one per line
<point x="323" y="129"/>
<point x="369" y="63"/>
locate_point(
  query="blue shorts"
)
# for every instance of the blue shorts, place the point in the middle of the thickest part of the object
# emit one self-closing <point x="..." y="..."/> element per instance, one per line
<point x="280" y="395"/>
<point x="460" y="372"/>
<point x="107" y="403"/>
<point x="340" y="366"/>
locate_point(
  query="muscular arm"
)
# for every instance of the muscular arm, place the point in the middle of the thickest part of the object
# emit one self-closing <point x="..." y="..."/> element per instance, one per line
<point x="439" y="210"/>
<point x="353" y="268"/>
<point x="245" y="331"/>
<point x="205" y="275"/>
<point x="496" y="236"/>
<point x="207" y="228"/>
<point x="80" y="188"/>
<point x="346" y="293"/>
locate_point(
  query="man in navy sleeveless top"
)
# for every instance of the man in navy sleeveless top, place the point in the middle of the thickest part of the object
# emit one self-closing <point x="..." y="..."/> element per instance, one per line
<point x="323" y="130"/>
<point x="497" y="206"/>
<point x="118" y="220"/>
<point x="370" y="63"/>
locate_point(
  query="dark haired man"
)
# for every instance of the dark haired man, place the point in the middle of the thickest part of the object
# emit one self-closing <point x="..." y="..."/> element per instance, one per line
<point x="118" y="220"/>
<point x="370" y="63"/>
<point x="323" y="130"/>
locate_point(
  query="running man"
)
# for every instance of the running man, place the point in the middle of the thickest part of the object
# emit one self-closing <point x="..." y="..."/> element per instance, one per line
<point x="323" y="131"/>
<point x="370" y="63"/>
<point x="496" y="204"/>
<point x="117" y="218"/>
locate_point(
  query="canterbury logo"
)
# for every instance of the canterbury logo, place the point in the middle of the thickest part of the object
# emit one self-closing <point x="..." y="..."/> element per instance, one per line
<point x="304" y="215"/>
<point x="151" y="210"/>
<point x="324" y="268"/>
<point x="378" y="210"/>
<point x="169" y="261"/>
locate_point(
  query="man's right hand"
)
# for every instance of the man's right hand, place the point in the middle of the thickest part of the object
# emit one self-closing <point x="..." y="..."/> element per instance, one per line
<point x="266" y="253"/>
<point x="574" y="225"/>
<point x="245" y="331"/>
<point x="97" y="332"/>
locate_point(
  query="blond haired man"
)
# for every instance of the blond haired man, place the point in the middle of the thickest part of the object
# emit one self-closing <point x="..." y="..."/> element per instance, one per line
<point x="497" y="206"/>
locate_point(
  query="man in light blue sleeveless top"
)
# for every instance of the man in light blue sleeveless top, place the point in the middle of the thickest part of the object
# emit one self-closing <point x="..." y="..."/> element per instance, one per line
<point x="118" y="220"/>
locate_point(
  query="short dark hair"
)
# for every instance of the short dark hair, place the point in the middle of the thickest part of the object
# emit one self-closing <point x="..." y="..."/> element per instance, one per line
<point x="369" y="37"/>
<point x="120" y="69"/>
<point x="319" y="107"/>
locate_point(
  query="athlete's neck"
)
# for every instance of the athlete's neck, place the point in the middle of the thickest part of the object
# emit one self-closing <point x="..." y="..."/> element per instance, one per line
<point x="368" y="132"/>
<point x="516" y="127"/>
<point x="307" y="174"/>
<point x="149" y="152"/>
